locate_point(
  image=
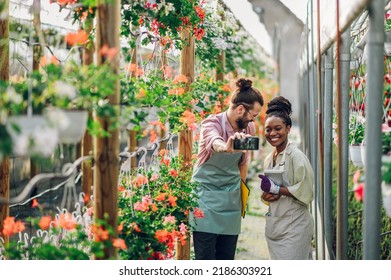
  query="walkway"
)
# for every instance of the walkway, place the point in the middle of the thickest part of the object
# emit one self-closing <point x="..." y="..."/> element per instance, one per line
<point x="252" y="243"/>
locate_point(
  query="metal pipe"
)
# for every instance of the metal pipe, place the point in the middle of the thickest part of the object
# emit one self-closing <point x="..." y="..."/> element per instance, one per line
<point x="343" y="69"/>
<point x="373" y="131"/>
<point x="344" y="163"/>
<point x="312" y="122"/>
<point x="327" y="150"/>
<point x="321" y="153"/>
<point x="308" y="88"/>
<point x="320" y="131"/>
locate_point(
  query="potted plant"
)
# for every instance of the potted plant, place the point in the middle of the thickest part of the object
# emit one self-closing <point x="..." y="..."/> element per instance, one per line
<point x="386" y="187"/>
<point x="356" y="138"/>
<point x="386" y="142"/>
<point x="23" y="134"/>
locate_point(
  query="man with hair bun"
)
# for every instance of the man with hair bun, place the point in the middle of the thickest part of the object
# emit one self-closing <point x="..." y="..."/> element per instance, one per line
<point x="219" y="170"/>
<point x="289" y="224"/>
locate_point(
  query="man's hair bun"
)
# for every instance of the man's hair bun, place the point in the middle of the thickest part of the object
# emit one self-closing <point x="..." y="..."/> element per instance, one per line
<point x="244" y="84"/>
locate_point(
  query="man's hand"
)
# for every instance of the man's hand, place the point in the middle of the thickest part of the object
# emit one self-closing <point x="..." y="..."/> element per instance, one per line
<point x="230" y="142"/>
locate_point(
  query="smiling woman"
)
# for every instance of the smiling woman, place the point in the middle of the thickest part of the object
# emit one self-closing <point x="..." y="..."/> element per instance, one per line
<point x="289" y="224"/>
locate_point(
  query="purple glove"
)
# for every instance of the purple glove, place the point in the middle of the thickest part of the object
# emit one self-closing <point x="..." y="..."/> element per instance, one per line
<point x="268" y="185"/>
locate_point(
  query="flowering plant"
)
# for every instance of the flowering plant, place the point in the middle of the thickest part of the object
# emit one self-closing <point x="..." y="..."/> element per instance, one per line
<point x="357" y="91"/>
<point x="358" y="185"/>
<point x="386" y="172"/>
<point x="356" y="129"/>
<point x="386" y="140"/>
<point x="223" y="33"/>
<point x="62" y="237"/>
<point x="387" y="21"/>
<point x="154" y="206"/>
<point x="175" y="102"/>
<point x="60" y="87"/>
<point x="163" y="20"/>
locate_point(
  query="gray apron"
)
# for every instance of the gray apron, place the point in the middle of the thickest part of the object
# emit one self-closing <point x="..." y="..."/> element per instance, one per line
<point x="219" y="194"/>
<point x="289" y="226"/>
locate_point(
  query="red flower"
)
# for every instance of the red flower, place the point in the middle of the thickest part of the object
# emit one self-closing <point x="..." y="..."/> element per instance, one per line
<point x="198" y="213"/>
<point x="200" y="12"/>
<point x="198" y="33"/>
<point x="172" y="200"/>
<point x="174" y="173"/>
<point x="359" y="191"/>
<point x="44" y="223"/>
<point x="79" y="38"/>
<point x="10" y="227"/>
<point x="119" y="243"/>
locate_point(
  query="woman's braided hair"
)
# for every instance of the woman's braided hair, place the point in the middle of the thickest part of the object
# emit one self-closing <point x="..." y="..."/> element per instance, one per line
<point x="280" y="107"/>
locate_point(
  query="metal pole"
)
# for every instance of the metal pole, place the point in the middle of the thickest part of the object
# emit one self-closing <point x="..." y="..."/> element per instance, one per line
<point x="320" y="158"/>
<point x="343" y="146"/>
<point x="312" y="123"/>
<point x="308" y="97"/>
<point x="327" y="150"/>
<point x="373" y="131"/>
<point x="319" y="147"/>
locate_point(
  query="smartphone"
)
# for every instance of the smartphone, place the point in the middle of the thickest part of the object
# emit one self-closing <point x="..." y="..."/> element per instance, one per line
<point x="249" y="143"/>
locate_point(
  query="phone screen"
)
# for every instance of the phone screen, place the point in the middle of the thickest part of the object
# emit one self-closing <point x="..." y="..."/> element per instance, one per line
<point x="249" y="143"/>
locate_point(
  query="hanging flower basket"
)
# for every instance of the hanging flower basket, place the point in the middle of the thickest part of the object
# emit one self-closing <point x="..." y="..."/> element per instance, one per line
<point x="71" y="124"/>
<point x="386" y="196"/>
<point x="76" y="128"/>
<point x="362" y="151"/>
<point x="355" y="155"/>
<point x="32" y="135"/>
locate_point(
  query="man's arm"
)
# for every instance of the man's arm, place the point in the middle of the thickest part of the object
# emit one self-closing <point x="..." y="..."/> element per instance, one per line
<point x="219" y="146"/>
<point x="243" y="172"/>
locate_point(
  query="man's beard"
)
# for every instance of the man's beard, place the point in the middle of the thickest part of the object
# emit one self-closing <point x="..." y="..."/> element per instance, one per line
<point x="242" y="123"/>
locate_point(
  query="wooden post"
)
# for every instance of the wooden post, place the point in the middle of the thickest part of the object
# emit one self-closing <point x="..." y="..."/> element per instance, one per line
<point x="88" y="58"/>
<point x="87" y="181"/>
<point x="220" y="68"/>
<point x="37" y="50"/>
<point x="4" y="75"/>
<point x="162" y="131"/>
<point x="132" y="134"/>
<point x="106" y="150"/>
<point x="185" y="137"/>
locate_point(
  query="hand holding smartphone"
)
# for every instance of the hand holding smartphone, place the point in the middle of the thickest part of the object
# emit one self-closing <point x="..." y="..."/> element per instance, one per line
<point x="248" y="143"/>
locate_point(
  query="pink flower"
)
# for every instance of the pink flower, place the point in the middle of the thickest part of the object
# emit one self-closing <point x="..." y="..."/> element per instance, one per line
<point x="385" y="128"/>
<point x="154" y="177"/>
<point x="183" y="228"/>
<point x="169" y="219"/>
<point x="356" y="177"/>
<point x="143" y="206"/>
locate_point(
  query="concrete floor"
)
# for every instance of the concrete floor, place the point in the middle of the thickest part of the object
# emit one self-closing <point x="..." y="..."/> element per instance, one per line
<point x="252" y="242"/>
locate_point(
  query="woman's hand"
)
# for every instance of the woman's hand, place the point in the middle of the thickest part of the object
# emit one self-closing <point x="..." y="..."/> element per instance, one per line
<point x="270" y="197"/>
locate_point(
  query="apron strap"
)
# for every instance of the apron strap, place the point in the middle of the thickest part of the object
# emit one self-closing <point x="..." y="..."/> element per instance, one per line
<point x="282" y="162"/>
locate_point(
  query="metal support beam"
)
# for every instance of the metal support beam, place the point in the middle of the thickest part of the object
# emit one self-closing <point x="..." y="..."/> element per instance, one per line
<point x="373" y="131"/>
<point x="343" y="146"/>
<point x="327" y="151"/>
